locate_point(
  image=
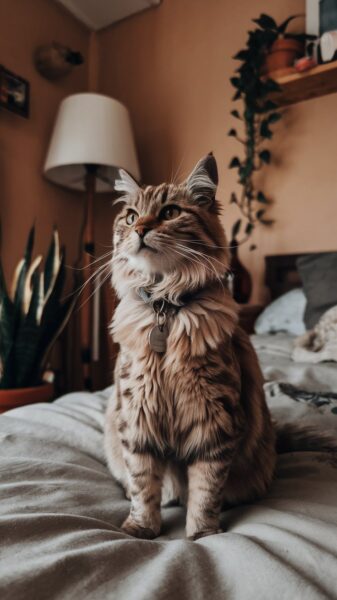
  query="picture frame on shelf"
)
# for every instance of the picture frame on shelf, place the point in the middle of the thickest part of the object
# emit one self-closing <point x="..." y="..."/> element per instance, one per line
<point x="312" y="17"/>
<point x="14" y="92"/>
<point x="327" y="16"/>
<point x="320" y="16"/>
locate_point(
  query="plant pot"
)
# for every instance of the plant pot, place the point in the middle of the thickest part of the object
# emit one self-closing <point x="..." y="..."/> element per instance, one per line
<point x="242" y="281"/>
<point x="282" y="55"/>
<point x="21" y="396"/>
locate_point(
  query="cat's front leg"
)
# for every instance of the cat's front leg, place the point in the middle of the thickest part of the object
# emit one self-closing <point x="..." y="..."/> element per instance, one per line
<point x="206" y="480"/>
<point x="145" y="474"/>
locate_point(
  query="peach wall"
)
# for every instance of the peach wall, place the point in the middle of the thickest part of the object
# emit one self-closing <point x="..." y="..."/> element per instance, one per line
<point x="25" y="196"/>
<point x="171" y="67"/>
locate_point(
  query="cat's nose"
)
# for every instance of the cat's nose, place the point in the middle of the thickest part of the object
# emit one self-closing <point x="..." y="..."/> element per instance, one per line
<point x="142" y="230"/>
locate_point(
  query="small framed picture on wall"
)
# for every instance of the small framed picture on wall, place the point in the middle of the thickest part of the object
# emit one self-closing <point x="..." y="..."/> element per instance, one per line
<point x="14" y="92"/>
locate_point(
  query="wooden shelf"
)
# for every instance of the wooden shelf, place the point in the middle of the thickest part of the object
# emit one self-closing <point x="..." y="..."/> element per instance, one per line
<point x="296" y="87"/>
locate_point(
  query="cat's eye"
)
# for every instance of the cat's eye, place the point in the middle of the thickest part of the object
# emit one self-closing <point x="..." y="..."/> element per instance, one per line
<point x="170" y="212"/>
<point x="131" y="217"/>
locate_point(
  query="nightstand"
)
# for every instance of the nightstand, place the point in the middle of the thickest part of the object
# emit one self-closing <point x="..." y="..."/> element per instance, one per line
<point x="248" y="314"/>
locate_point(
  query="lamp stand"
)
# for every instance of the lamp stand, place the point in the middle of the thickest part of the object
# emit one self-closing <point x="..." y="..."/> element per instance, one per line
<point x="87" y="294"/>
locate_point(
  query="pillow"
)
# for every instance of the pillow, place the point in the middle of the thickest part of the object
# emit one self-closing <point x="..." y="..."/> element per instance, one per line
<point x="318" y="273"/>
<point x="284" y="314"/>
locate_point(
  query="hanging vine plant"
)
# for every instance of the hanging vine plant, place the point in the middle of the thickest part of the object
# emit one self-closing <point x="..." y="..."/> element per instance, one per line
<point x="258" y="116"/>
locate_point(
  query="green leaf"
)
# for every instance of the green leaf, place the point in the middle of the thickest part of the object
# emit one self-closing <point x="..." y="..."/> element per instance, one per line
<point x="232" y="133"/>
<point x="265" y="132"/>
<point x="27" y="340"/>
<point x="55" y="326"/>
<point x="246" y="170"/>
<point x="237" y="95"/>
<point x="271" y="85"/>
<point x="269" y="105"/>
<point x="49" y="265"/>
<point x="235" y="162"/>
<point x="260" y="213"/>
<point x="20" y="286"/>
<point x="266" y="22"/>
<point x="29" y="246"/>
<point x="7" y="329"/>
<point x="267" y="221"/>
<point x="3" y="287"/>
<point x="265" y="156"/>
<point x="236" y="114"/>
<point x="233" y="199"/>
<point x="34" y="301"/>
<point x="252" y="247"/>
<point x="249" y="228"/>
<point x="274" y="117"/>
<point x="236" y="228"/>
<point x="241" y="55"/>
<point x="300" y="37"/>
<point x="281" y="28"/>
<point x="236" y="82"/>
<point x="262" y="198"/>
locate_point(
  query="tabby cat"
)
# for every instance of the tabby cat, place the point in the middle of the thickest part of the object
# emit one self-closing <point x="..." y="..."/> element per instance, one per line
<point x="188" y="420"/>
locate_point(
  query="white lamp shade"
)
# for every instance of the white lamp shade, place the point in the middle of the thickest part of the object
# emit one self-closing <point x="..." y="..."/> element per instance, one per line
<point x="91" y="129"/>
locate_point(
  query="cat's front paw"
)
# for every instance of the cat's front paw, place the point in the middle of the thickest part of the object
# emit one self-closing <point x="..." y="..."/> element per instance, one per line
<point x="146" y="533"/>
<point x="205" y="532"/>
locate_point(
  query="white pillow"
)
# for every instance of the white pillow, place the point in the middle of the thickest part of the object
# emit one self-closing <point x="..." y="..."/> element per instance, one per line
<point x="284" y="314"/>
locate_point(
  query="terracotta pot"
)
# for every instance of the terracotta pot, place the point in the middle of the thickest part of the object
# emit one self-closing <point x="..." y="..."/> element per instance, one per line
<point x="21" y="396"/>
<point x="282" y="55"/>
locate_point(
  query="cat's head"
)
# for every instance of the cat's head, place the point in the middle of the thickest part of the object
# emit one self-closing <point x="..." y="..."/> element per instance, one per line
<point x="171" y="229"/>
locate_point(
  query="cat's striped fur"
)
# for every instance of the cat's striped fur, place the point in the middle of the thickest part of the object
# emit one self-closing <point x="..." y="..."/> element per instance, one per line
<point x="192" y="423"/>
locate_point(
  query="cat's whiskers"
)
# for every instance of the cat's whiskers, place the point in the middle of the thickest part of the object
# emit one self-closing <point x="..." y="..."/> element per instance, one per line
<point x="191" y="241"/>
<point x="98" y="272"/>
<point x="197" y="252"/>
<point x="98" y="282"/>
<point x="203" y="257"/>
<point x="188" y="256"/>
<point x="91" y="263"/>
<point x="191" y="251"/>
<point x="206" y="258"/>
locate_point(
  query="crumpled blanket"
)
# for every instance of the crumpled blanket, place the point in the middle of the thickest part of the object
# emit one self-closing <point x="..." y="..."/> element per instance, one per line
<point x="60" y="516"/>
<point x="320" y="343"/>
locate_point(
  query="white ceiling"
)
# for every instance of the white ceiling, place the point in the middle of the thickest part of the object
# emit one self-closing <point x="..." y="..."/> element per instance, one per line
<point x="97" y="14"/>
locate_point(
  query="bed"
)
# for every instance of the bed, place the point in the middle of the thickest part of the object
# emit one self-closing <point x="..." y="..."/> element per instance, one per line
<point x="60" y="510"/>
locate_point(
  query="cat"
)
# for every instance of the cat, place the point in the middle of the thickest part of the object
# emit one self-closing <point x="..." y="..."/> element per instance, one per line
<point x="188" y="420"/>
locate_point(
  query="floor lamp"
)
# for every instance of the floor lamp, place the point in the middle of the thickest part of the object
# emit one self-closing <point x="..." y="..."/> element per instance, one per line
<point x="91" y="139"/>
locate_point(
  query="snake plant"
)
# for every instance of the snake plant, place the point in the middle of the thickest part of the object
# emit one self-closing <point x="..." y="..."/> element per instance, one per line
<point x="32" y="314"/>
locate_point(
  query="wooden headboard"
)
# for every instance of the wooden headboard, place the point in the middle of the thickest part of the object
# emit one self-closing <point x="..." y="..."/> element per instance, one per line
<point x="281" y="274"/>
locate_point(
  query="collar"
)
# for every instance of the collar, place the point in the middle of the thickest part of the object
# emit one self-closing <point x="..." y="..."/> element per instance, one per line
<point x="162" y="305"/>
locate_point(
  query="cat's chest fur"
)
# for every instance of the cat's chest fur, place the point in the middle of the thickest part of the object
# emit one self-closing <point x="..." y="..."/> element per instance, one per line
<point x="192" y="331"/>
<point x="163" y="395"/>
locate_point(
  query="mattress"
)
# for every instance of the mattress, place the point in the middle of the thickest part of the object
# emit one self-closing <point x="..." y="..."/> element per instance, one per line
<point x="61" y="511"/>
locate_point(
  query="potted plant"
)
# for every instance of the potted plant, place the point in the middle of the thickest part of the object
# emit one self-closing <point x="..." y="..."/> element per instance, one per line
<point x="32" y="315"/>
<point x="256" y="119"/>
<point x="282" y="48"/>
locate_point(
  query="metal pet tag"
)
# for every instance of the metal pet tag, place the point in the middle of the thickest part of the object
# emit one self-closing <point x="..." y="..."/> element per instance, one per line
<point x="157" y="338"/>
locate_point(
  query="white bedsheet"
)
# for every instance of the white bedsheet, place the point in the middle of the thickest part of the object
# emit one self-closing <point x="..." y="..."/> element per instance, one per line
<point x="60" y="513"/>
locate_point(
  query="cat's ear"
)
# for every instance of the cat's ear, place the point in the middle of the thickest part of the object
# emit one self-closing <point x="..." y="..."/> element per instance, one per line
<point x="202" y="182"/>
<point x="126" y="184"/>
